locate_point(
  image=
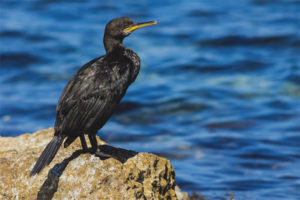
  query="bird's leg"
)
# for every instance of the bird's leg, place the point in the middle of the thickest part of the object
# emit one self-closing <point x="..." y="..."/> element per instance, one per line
<point x="95" y="149"/>
<point x="93" y="141"/>
<point x="83" y="143"/>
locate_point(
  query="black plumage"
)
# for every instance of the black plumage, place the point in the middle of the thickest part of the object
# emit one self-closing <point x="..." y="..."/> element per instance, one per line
<point x="91" y="96"/>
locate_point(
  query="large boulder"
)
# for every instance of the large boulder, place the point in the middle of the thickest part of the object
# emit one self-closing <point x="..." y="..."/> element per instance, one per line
<point x="76" y="175"/>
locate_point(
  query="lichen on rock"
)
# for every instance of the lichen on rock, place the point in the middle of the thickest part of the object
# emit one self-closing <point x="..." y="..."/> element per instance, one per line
<point x="76" y="175"/>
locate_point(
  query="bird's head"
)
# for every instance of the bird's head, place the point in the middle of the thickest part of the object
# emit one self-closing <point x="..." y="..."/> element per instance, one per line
<point x="120" y="28"/>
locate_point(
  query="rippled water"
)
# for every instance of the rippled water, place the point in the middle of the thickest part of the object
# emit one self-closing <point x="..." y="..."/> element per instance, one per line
<point x="218" y="93"/>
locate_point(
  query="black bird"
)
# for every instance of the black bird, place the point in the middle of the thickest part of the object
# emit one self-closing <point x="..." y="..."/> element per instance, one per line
<point x="91" y="96"/>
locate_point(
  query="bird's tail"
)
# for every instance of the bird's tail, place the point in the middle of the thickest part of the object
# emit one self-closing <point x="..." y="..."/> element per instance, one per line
<point x="48" y="154"/>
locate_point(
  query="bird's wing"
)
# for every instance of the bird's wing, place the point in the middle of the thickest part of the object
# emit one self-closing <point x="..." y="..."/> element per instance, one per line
<point x="82" y="101"/>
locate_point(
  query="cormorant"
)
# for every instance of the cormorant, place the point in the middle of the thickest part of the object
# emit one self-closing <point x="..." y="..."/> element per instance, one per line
<point x="91" y="96"/>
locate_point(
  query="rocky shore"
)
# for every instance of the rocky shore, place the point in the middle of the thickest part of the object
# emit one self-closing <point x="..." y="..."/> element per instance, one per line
<point x="77" y="175"/>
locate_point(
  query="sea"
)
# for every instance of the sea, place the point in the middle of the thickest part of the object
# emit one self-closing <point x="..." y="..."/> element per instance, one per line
<point x="218" y="93"/>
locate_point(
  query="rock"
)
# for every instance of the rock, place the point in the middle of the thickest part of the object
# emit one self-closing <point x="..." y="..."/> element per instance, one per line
<point x="76" y="175"/>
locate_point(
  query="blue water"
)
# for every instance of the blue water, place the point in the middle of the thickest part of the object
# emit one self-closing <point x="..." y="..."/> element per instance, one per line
<point x="218" y="92"/>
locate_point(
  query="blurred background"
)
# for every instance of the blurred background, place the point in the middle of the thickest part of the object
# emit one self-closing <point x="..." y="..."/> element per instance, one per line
<point x="218" y="92"/>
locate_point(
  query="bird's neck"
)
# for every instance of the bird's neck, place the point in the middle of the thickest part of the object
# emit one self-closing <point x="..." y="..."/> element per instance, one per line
<point x="110" y="43"/>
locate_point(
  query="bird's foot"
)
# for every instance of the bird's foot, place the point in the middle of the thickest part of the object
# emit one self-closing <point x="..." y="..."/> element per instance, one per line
<point x="85" y="150"/>
<point x="101" y="154"/>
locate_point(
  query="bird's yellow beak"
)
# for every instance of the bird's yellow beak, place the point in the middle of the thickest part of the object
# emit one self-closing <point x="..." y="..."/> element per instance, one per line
<point x="139" y="25"/>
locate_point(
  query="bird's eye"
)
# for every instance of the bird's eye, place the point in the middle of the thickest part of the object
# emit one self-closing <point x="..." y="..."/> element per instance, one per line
<point x="126" y="29"/>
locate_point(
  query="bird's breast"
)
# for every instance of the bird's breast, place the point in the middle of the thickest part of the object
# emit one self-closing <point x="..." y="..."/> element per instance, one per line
<point x="133" y="57"/>
<point x="135" y="63"/>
